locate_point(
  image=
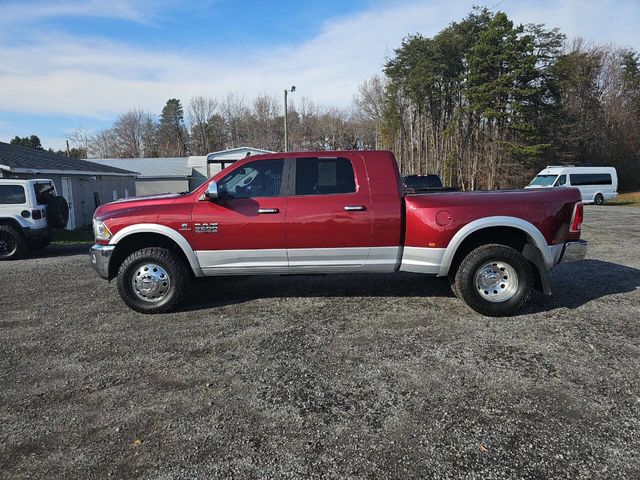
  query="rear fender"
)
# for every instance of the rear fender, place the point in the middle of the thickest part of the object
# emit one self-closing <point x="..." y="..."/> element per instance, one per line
<point x="534" y="236"/>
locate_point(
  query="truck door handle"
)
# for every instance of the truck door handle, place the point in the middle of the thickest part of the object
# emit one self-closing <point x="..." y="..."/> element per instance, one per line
<point x="354" y="208"/>
<point x="268" y="210"/>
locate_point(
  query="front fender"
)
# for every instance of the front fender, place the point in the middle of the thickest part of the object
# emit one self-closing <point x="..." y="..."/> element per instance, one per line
<point x="167" y="232"/>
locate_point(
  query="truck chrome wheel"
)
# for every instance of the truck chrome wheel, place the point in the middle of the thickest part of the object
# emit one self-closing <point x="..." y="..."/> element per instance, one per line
<point x="150" y="282"/>
<point x="496" y="281"/>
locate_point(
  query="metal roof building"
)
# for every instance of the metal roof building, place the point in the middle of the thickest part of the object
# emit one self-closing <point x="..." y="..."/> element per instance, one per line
<point x="155" y="175"/>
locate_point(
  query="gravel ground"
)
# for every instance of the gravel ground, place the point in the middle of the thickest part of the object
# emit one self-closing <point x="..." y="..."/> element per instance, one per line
<point x="323" y="377"/>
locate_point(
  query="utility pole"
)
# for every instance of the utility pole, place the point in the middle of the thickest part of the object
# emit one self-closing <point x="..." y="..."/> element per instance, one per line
<point x="286" y="116"/>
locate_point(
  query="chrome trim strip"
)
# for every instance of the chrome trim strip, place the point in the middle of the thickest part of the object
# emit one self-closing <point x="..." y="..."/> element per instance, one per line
<point x="259" y="260"/>
<point x="299" y="260"/>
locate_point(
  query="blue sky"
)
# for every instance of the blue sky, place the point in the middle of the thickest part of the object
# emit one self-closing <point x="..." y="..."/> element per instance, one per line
<point x="66" y="64"/>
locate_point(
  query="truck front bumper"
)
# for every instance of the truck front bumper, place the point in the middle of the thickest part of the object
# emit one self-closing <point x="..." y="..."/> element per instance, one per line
<point x="574" y="251"/>
<point x="100" y="256"/>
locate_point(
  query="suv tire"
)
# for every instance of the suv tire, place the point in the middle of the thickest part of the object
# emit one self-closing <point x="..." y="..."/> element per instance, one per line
<point x="153" y="280"/>
<point x="13" y="243"/>
<point x="598" y="199"/>
<point x="57" y="211"/>
<point x="495" y="280"/>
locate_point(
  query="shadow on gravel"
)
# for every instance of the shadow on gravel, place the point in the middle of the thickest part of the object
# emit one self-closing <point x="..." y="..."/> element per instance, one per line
<point x="61" y="250"/>
<point x="575" y="284"/>
<point x="572" y="284"/>
<point x="216" y="292"/>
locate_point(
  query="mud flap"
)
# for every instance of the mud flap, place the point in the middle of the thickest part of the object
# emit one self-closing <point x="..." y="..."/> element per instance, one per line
<point x="532" y="254"/>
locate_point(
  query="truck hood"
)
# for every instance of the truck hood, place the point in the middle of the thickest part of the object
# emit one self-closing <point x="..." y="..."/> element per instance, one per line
<point x="134" y="203"/>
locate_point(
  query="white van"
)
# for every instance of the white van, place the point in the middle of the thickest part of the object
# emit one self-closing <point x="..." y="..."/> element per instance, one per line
<point x="596" y="184"/>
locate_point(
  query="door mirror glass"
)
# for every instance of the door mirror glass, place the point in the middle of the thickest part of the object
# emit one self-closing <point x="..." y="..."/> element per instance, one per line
<point x="212" y="191"/>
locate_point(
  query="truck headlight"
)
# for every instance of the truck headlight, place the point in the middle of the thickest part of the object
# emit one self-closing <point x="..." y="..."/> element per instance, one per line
<point x="100" y="230"/>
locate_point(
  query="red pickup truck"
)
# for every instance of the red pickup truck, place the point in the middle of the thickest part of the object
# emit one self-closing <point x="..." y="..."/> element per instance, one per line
<point x="336" y="212"/>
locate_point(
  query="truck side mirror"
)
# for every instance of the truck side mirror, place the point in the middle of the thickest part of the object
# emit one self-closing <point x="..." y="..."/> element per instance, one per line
<point x="212" y="191"/>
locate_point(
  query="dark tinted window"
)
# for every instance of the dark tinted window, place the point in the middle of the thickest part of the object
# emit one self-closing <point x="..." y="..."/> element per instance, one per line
<point x="422" y="181"/>
<point x="262" y="178"/>
<point x="12" y="195"/>
<point x="578" y="179"/>
<point x="324" y="176"/>
<point x="43" y="192"/>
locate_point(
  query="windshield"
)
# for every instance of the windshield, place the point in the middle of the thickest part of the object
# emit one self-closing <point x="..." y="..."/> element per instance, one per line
<point x="544" y="180"/>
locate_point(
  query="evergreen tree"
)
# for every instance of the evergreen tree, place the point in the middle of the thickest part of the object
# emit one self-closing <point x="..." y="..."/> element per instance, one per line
<point x="32" y="141"/>
<point x="173" y="136"/>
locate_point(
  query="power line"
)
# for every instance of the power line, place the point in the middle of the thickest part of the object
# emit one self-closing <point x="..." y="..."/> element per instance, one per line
<point x="339" y="87"/>
<point x="501" y="1"/>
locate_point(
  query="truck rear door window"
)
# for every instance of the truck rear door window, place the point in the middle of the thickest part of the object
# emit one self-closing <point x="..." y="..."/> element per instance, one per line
<point x="12" y="195"/>
<point x="582" y="179"/>
<point x="324" y="176"/>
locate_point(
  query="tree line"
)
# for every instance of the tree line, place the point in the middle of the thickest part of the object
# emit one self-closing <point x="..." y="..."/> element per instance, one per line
<point x="484" y="103"/>
<point x="211" y="124"/>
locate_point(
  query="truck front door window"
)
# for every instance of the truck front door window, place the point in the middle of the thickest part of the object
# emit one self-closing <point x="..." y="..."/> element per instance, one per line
<point x="257" y="179"/>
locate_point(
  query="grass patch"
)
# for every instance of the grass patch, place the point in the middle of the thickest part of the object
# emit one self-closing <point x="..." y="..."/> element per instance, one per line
<point x="79" y="235"/>
<point x="630" y="199"/>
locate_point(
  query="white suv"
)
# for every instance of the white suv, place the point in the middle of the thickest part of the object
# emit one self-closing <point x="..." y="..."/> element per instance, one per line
<point x="29" y="212"/>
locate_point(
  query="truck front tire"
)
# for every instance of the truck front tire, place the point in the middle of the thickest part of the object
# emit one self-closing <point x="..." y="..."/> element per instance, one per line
<point x="495" y="280"/>
<point x="153" y="280"/>
<point x="13" y="243"/>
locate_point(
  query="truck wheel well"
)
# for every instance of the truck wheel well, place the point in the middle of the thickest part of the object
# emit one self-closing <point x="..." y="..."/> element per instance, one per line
<point x="509" y="236"/>
<point x="136" y="241"/>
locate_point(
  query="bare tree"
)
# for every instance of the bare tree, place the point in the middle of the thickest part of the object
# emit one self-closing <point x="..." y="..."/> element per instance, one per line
<point x="369" y="104"/>
<point x="131" y="131"/>
<point x="200" y="114"/>
<point x="81" y="139"/>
